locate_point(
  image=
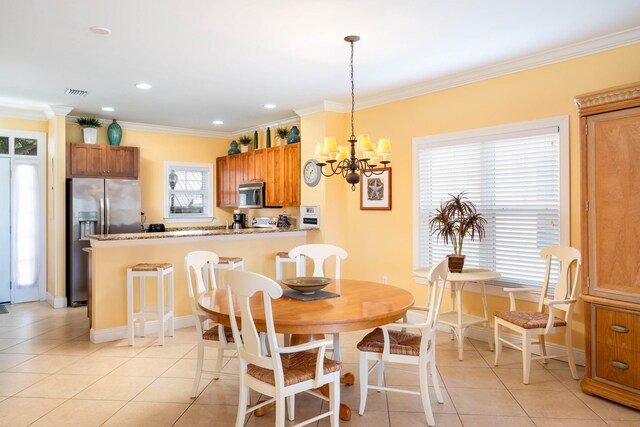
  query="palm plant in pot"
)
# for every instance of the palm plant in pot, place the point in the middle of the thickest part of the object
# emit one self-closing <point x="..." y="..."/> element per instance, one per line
<point x="283" y="134"/>
<point x="245" y="140"/>
<point x="90" y="127"/>
<point x="456" y="219"/>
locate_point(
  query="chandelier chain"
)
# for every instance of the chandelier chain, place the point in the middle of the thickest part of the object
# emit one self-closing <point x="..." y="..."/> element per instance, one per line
<point x="353" y="96"/>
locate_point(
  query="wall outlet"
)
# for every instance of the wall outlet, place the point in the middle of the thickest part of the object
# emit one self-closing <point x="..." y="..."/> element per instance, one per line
<point x="385" y="279"/>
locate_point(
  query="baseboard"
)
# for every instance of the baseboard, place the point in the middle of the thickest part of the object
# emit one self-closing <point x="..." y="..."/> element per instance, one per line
<point x="98" y="336"/>
<point x="480" y="333"/>
<point x="56" y="302"/>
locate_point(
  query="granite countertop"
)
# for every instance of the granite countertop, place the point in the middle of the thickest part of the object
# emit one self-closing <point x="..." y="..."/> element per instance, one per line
<point x="194" y="232"/>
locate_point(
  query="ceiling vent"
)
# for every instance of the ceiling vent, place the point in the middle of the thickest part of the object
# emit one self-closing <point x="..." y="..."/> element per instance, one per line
<point x="76" y="92"/>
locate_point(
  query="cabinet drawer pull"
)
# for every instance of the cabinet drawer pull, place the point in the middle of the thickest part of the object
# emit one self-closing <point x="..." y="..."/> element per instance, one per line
<point x="621" y="329"/>
<point x="619" y="365"/>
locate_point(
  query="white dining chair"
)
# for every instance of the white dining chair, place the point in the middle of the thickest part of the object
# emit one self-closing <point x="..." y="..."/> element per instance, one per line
<point x="286" y="370"/>
<point x="384" y="345"/>
<point x="199" y="267"/>
<point x="543" y="321"/>
<point x="319" y="253"/>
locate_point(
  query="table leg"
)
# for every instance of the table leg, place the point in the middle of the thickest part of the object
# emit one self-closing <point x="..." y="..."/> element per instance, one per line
<point x="486" y="317"/>
<point x="459" y="328"/>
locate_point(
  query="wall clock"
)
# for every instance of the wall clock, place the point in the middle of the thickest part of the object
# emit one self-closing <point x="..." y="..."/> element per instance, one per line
<point x="311" y="173"/>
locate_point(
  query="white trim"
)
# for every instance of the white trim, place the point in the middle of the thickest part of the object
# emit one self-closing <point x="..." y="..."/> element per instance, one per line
<point x="561" y="122"/>
<point x="59" y="110"/>
<point x="98" y="336"/>
<point x="295" y="120"/>
<point x="331" y="106"/>
<point x="480" y="333"/>
<point x="231" y="235"/>
<point x="15" y="112"/>
<point x="56" y="302"/>
<point x="207" y="216"/>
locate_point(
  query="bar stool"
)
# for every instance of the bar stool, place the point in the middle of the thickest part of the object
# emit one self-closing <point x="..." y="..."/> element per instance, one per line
<point x="160" y="312"/>
<point x="227" y="263"/>
<point x="283" y="257"/>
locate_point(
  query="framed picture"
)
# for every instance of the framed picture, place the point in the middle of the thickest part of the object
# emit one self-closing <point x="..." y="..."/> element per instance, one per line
<point x="375" y="191"/>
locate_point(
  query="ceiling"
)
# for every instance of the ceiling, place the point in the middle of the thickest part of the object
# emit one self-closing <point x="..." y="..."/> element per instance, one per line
<point x="223" y="60"/>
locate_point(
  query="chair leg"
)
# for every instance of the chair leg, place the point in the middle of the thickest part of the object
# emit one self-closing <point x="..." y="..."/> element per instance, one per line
<point x="280" y="410"/>
<point x="543" y="348"/>
<point x="424" y="394"/>
<point x="130" y="307"/>
<point x="196" y="379"/>
<point x="434" y="376"/>
<point x="526" y="357"/>
<point x="364" y="381"/>
<point x="570" y="359"/>
<point x="143" y="305"/>
<point x="291" y="407"/>
<point x="380" y="374"/>
<point x="336" y="347"/>
<point x="334" y="402"/>
<point x="160" y="307"/>
<point x="497" y="334"/>
<point x="219" y="360"/>
<point x="242" y="403"/>
<point x="171" y="303"/>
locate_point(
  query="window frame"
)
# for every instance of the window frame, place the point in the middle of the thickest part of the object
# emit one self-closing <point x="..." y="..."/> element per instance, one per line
<point x="498" y="132"/>
<point x="208" y="215"/>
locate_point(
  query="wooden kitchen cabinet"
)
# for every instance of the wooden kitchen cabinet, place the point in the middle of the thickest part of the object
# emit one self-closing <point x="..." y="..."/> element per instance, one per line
<point x="102" y="161"/>
<point x="278" y="167"/>
<point x="228" y="176"/>
<point x="610" y="145"/>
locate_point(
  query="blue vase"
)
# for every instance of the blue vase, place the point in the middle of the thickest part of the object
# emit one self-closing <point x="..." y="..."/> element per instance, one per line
<point x="295" y="135"/>
<point x="234" y="148"/>
<point x="114" y="131"/>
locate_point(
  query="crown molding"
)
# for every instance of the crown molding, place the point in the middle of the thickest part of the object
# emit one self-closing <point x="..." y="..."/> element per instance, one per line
<point x="565" y="53"/>
<point x="331" y="106"/>
<point x="58" y="110"/>
<point x="294" y="120"/>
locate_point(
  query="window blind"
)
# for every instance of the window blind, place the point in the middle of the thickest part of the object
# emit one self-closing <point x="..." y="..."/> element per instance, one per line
<point x="190" y="195"/>
<point x="514" y="181"/>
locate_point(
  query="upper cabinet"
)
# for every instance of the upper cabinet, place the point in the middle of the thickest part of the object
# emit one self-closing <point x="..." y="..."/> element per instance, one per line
<point x="102" y="161"/>
<point x="277" y="167"/>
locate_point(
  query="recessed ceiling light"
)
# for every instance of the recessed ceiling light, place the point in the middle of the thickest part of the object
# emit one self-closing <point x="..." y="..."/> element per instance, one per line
<point x="143" y="85"/>
<point x="103" y="31"/>
<point x="218" y="122"/>
<point x="270" y="106"/>
<point x="108" y="109"/>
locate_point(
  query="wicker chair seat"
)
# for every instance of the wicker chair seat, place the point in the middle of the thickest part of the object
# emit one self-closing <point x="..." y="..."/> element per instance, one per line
<point x="404" y="343"/>
<point x="212" y="334"/>
<point x="528" y="319"/>
<point x="297" y="367"/>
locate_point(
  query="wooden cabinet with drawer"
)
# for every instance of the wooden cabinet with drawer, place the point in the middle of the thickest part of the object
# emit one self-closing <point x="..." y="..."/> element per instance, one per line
<point x="610" y="153"/>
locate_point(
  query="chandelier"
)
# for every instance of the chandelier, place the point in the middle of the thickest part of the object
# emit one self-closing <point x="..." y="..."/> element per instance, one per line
<point x="342" y="160"/>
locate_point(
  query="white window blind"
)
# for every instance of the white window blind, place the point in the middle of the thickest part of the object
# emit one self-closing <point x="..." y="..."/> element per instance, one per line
<point x="192" y="195"/>
<point x="514" y="178"/>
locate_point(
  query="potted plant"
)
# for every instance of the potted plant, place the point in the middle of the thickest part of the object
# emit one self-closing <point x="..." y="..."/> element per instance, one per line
<point x="244" y="140"/>
<point x="90" y="127"/>
<point x="456" y="219"/>
<point x="283" y="134"/>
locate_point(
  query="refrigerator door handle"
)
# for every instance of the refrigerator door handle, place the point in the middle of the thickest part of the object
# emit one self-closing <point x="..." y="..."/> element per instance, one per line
<point x="101" y="223"/>
<point x="108" y="215"/>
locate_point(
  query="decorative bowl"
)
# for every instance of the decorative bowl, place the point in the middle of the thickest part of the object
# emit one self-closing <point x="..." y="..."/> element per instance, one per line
<point x="307" y="285"/>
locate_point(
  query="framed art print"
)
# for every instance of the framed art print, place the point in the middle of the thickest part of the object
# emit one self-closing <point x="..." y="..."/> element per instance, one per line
<point x="375" y="191"/>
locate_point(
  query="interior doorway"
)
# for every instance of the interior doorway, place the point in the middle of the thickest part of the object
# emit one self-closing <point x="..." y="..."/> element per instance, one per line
<point x="22" y="216"/>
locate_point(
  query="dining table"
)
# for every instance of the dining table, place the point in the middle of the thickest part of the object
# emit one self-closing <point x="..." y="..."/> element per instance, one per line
<point x="359" y="305"/>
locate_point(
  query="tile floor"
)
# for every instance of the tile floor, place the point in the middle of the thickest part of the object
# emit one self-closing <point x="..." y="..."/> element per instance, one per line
<point x="51" y="375"/>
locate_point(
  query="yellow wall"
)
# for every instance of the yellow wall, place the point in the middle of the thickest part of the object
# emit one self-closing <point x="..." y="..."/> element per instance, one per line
<point x="23" y="124"/>
<point x="380" y="243"/>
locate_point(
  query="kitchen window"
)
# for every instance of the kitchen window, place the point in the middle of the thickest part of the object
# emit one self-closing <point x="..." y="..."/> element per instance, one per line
<point x="188" y="192"/>
<point x="518" y="177"/>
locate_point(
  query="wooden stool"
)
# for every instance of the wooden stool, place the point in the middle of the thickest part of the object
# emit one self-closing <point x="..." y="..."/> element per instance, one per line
<point x="160" y="312"/>
<point x="227" y="263"/>
<point x="283" y="257"/>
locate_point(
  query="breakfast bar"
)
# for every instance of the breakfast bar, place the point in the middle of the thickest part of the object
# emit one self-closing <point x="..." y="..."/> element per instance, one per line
<point x="113" y="254"/>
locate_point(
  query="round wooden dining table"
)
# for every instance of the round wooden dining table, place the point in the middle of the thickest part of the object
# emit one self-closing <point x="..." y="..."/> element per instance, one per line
<point x="359" y="305"/>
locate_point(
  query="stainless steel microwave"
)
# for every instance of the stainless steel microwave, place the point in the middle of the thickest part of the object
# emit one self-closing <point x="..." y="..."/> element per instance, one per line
<point x="251" y="195"/>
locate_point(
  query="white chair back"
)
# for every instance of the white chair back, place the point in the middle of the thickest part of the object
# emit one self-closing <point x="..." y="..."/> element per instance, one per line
<point x="318" y="252"/>
<point x="437" y="278"/>
<point x="243" y="285"/>
<point x="199" y="267"/>
<point x="566" y="286"/>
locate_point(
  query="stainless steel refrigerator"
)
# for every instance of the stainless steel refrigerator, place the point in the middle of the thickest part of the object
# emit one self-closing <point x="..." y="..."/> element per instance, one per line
<point x="96" y="206"/>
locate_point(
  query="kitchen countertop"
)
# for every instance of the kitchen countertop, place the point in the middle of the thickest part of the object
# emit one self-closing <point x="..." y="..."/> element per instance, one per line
<point x="193" y="232"/>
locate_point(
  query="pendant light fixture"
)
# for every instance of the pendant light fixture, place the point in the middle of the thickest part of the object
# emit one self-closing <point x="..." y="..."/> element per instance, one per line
<point x="343" y="160"/>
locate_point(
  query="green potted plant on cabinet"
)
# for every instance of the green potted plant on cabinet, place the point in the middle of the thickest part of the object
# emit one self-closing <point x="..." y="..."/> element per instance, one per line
<point x="283" y="134"/>
<point x="90" y="127"/>
<point x="456" y="219"/>
<point x="244" y="141"/>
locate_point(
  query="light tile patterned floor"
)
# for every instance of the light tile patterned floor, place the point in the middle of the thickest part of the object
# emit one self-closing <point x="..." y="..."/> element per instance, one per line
<point x="51" y="375"/>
